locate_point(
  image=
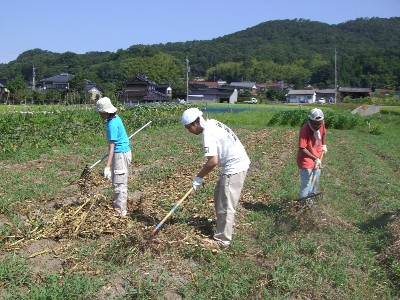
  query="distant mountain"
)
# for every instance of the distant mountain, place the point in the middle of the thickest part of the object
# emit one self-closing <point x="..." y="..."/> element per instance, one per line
<point x="286" y="40"/>
<point x="368" y="53"/>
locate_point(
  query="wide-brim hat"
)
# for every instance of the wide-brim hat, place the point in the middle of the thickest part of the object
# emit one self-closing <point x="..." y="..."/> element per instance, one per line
<point x="104" y="105"/>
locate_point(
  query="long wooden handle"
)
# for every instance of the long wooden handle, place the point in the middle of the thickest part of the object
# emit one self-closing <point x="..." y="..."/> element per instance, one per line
<point x="171" y="211"/>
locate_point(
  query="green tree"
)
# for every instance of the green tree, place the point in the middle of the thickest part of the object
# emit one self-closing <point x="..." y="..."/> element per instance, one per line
<point x="18" y="84"/>
<point x="229" y="71"/>
<point x="17" y="89"/>
<point x="276" y="96"/>
<point x="266" y="71"/>
<point x="161" y="68"/>
<point x="77" y="83"/>
<point x="296" y="73"/>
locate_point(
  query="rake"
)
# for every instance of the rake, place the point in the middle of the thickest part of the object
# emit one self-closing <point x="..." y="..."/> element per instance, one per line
<point x="86" y="170"/>
<point x="315" y="196"/>
<point x="153" y="232"/>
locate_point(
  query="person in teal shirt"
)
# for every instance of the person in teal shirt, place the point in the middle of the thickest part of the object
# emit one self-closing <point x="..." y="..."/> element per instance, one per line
<point x="119" y="154"/>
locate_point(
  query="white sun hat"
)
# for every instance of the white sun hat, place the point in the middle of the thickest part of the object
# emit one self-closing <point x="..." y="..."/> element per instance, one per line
<point x="104" y="105"/>
<point x="316" y="115"/>
<point x="190" y="115"/>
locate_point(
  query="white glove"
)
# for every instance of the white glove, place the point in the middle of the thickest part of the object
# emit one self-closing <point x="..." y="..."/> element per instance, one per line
<point x="317" y="163"/>
<point x="324" y="148"/>
<point x="107" y="173"/>
<point x="197" y="182"/>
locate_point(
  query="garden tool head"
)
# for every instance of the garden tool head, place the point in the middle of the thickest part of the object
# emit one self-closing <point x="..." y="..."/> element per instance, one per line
<point x="309" y="200"/>
<point x="85" y="173"/>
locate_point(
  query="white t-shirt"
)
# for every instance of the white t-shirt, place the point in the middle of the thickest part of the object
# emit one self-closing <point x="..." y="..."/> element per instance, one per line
<point x="219" y="140"/>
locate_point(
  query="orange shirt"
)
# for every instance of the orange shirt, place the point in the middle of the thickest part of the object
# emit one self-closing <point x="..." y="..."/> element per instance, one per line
<point x="308" y="140"/>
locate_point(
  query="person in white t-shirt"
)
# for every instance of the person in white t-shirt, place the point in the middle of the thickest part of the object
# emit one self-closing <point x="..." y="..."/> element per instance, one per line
<point x="222" y="148"/>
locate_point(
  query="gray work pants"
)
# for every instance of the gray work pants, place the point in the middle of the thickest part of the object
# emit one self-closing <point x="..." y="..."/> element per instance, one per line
<point x="226" y="197"/>
<point x="120" y="172"/>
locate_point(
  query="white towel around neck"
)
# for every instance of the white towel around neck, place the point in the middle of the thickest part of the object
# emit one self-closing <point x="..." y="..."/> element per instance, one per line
<point x="317" y="134"/>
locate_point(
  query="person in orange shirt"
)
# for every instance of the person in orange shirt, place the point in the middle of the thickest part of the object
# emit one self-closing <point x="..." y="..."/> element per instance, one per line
<point x="312" y="142"/>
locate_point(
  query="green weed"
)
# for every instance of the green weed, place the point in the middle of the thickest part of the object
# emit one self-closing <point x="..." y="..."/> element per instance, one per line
<point x="13" y="272"/>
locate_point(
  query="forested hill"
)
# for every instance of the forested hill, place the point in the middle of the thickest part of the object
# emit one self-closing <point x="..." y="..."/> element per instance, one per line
<point x="285" y="41"/>
<point x="298" y="51"/>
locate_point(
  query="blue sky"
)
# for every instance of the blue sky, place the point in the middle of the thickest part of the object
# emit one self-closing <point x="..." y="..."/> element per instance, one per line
<point x="81" y="26"/>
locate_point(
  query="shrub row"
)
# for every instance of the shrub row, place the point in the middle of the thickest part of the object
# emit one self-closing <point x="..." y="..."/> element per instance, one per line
<point x="295" y="118"/>
<point x="24" y="131"/>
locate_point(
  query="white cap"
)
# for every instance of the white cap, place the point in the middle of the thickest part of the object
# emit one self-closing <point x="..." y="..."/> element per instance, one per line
<point x="316" y="115"/>
<point x="104" y="105"/>
<point x="190" y="115"/>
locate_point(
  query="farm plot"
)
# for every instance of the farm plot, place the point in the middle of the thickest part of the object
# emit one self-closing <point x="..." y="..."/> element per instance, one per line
<point x="57" y="234"/>
<point x="61" y="224"/>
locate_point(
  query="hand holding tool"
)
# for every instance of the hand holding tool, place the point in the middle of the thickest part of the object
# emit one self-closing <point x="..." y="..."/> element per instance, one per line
<point x="317" y="164"/>
<point x="107" y="173"/>
<point x="197" y="182"/>
<point x="87" y="169"/>
<point x="316" y="196"/>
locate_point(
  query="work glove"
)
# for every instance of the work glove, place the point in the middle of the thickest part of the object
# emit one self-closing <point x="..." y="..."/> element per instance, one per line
<point x="197" y="182"/>
<point x="324" y="148"/>
<point x="317" y="164"/>
<point x="107" y="173"/>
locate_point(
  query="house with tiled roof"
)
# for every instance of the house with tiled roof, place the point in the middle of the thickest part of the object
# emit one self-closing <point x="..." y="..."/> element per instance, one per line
<point x="354" y="92"/>
<point x="383" y="91"/>
<point x="58" y="82"/>
<point x="276" y="86"/>
<point x="261" y="87"/>
<point x="244" y="85"/>
<point x="327" y="94"/>
<point x="92" y="89"/>
<point x="301" y="96"/>
<point x="164" y="88"/>
<point x="141" y="89"/>
<point x="61" y="81"/>
<point x="312" y="95"/>
<point x="202" y="93"/>
<point x="209" y="84"/>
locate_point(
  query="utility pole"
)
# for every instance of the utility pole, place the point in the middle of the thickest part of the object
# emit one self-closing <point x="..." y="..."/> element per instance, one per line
<point x="33" y="77"/>
<point x="187" y="79"/>
<point x="335" y="76"/>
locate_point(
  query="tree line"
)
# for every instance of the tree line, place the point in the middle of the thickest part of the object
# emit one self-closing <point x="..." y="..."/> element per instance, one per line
<point x="299" y="52"/>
